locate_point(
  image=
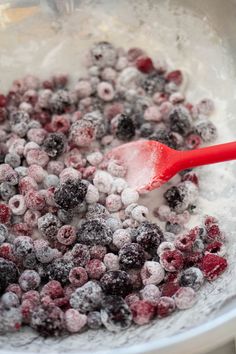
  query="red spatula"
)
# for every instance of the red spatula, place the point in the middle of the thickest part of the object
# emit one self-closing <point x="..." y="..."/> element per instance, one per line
<point x="150" y="163"/>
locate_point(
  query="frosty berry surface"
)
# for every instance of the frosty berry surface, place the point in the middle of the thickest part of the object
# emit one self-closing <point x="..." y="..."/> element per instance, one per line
<point x="77" y="249"/>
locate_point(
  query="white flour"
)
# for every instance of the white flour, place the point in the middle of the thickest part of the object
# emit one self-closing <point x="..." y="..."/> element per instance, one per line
<point x="190" y="44"/>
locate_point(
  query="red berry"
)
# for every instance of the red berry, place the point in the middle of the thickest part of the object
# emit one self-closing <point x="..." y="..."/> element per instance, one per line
<point x="34" y="200"/>
<point x="165" y="306"/>
<point x="214" y="233"/>
<point x="192" y="177"/>
<point x="213" y="266"/>
<point x="16" y="289"/>
<point x="142" y="312"/>
<point x="22" y="229"/>
<point x="78" y="276"/>
<point x="175" y="76"/>
<point x="192" y="259"/>
<point x="144" y="64"/>
<point x="60" y="124"/>
<point x="5" y="214"/>
<point x="210" y="220"/>
<point x="95" y="268"/>
<point x="169" y="289"/>
<point x="172" y="261"/>
<point x="6" y="252"/>
<point x="216" y="247"/>
<point x="3" y="100"/>
<point x="193" y="141"/>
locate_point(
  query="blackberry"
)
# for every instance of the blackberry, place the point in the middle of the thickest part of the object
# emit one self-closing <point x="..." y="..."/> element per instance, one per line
<point x="149" y="236"/>
<point x="60" y="102"/>
<point x="8" y="274"/>
<point x="164" y="137"/>
<point x="7" y="191"/>
<point x="48" y="320"/>
<point x="153" y="83"/>
<point x="54" y="144"/>
<point x="80" y="254"/>
<point x="103" y="54"/>
<point x="146" y="130"/>
<point x="192" y="277"/>
<point x="19" y="121"/>
<point x="87" y="298"/>
<point x="125" y="129"/>
<point x="48" y="225"/>
<point x="70" y="194"/>
<point x="23" y="246"/>
<point x="180" y="120"/>
<point x="174" y="196"/>
<point x="132" y="256"/>
<point x="206" y="130"/>
<point x="98" y="121"/>
<point x="94" y="232"/>
<point x="116" y="282"/>
<point x="96" y="211"/>
<point x="115" y="313"/>
<point x="59" y="270"/>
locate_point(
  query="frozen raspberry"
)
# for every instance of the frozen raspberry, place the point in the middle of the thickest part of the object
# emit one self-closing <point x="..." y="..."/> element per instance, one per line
<point x="98" y="252"/>
<point x="94" y="320"/>
<point x="214" y="233"/>
<point x="20" y="229"/>
<point x="29" y="280"/>
<point x="48" y="321"/>
<point x="37" y="135"/>
<point x="8" y="273"/>
<point x="142" y="311"/>
<point x="152" y="273"/>
<point x="217" y="248"/>
<point x="116" y="283"/>
<point x="60" y="124"/>
<point x="185" y="242"/>
<point x="192" y="277"/>
<point x="103" y="54"/>
<point x="52" y="289"/>
<point x="96" y="118"/>
<point x="78" y="276"/>
<point x="5" y="214"/>
<point x="144" y="64"/>
<point x="6" y="251"/>
<point x="34" y="200"/>
<point x="185" y="298"/>
<point x="165" y="246"/>
<point x="131" y="298"/>
<point x="213" y="266"/>
<point x="26" y="184"/>
<point x="87" y="298"/>
<point x="193" y="141"/>
<point x="74" y="321"/>
<point x="175" y="76"/>
<point x="37" y="157"/>
<point x="82" y="132"/>
<point x="190" y="176"/>
<point x="105" y="91"/>
<point x="94" y="232"/>
<point x="151" y="294"/>
<point x="115" y="314"/>
<point x="172" y="261"/>
<point x="131" y="256"/>
<point x="66" y="235"/>
<point x="16" y="289"/>
<point x="27" y="308"/>
<point x="165" y="306"/>
<point x="44" y="253"/>
<point x="95" y="268"/>
<point x="169" y="289"/>
<point x="59" y="270"/>
<point x="149" y="236"/>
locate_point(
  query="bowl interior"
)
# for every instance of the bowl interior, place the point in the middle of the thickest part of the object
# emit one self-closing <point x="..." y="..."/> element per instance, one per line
<point x="196" y="37"/>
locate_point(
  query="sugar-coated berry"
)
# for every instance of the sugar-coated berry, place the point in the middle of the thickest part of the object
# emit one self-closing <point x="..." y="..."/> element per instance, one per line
<point x="94" y="320"/>
<point x="102" y="181"/>
<point x="111" y="261"/>
<point x="116" y="283"/>
<point x="165" y="306"/>
<point x="95" y="268"/>
<point x="142" y="311"/>
<point x="78" y="276"/>
<point x="152" y="273"/>
<point x="48" y="320"/>
<point x="129" y="196"/>
<point x="165" y="246"/>
<point x="115" y="314"/>
<point x="150" y="293"/>
<point x="8" y="273"/>
<point x="29" y="280"/>
<point x="131" y="255"/>
<point x="185" y="298"/>
<point x="92" y="194"/>
<point x="113" y="203"/>
<point x="9" y="300"/>
<point x="74" y="321"/>
<point x="213" y="266"/>
<point x="192" y="277"/>
<point x="70" y="194"/>
<point x="66" y="235"/>
<point x="94" y="232"/>
<point x="87" y="298"/>
<point x="172" y="261"/>
<point x="121" y="237"/>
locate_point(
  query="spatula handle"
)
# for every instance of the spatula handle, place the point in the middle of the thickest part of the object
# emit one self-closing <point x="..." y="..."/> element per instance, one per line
<point x="206" y="156"/>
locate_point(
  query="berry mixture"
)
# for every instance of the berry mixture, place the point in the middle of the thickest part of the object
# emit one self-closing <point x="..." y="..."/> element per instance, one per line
<point x="77" y="250"/>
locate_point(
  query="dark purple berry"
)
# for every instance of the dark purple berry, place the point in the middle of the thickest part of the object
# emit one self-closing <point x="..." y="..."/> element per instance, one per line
<point x="125" y="129"/>
<point x="180" y="120"/>
<point x="59" y="270"/>
<point x="60" y="102"/>
<point x="70" y="194"/>
<point x="8" y="273"/>
<point x="153" y="83"/>
<point x="49" y="225"/>
<point x="192" y="277"/>
<point x="149" y="236"/>
<point x="48" y="321"/>
<point x="94" y="320"/>
<point x="164" y="137"/>
<point x="54" y="144"/>
<point x="132" y="256"/>
<point x="116" y="282"/>
<point x="87" y="298"/>
<point x="94" y="232"/>
<point x="174" y="196"/>
<point x="115" y="314"/>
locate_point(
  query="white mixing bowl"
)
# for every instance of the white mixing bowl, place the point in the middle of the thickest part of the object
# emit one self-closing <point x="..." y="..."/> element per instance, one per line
<point x="42" y="37"/>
